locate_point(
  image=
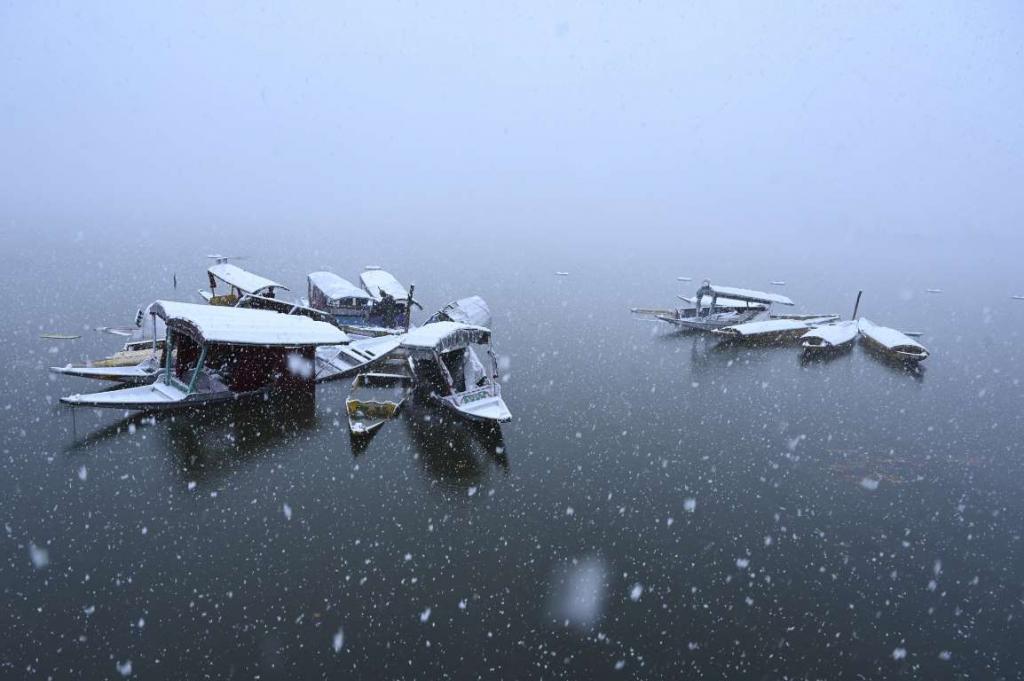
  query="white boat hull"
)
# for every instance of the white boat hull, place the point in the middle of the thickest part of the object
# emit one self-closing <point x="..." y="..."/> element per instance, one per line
<point x="157" y="396"/>
<point x="486" y="410"/>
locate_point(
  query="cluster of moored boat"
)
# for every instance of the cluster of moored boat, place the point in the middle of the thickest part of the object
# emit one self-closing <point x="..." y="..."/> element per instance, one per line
<point x="245" y="341"/>
<point x="744" y="315"/>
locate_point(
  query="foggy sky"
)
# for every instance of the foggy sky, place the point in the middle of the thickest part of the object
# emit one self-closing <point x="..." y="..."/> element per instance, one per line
<point x="738" y="116"/>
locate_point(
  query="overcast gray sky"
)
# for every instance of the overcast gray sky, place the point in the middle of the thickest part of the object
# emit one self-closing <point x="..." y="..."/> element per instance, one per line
<point x="742" y="116"/>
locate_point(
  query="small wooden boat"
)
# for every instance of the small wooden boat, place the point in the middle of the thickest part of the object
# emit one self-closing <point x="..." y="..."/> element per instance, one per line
<point x="772" y="330"/>
<point x="377" y="396"/>
<point x="891" y="343"/>
<point x="833" y="337"/>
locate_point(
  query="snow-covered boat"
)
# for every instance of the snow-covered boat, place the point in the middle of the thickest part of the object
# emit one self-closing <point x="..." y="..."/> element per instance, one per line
<point x="891" y="343"/>
<point x="715" y="307"/>
<point x="348" y="303"/>
<point x="838" y="335"/>
<point x="447" y="369"/>
<point x="219" y="354"/>
<point x="393" y="302"/>
<point x="377" y="396"/>
<point x="237" y="282"/>
<point x="772" y="330"/>
<point x="340" y="361"/>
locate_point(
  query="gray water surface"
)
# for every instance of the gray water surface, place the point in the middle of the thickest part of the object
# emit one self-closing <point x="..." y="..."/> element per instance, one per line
<point x="660" y="507"/>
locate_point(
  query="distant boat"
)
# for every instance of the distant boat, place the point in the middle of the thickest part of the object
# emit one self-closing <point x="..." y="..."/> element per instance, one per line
<point x="934" y="290"/>
<point x="684" y="278"/>
<point x="715" y="307"/>
<point x="1017" y="297"/>
<point x="892" y="343"/>
<point x="58" y="336"/>
<point x="778" y="283"/>
<point x="561" y="274"/>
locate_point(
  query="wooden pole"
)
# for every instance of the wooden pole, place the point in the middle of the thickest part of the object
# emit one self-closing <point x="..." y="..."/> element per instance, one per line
<point x="408" y="308"/>
<point x="856" y="305"/>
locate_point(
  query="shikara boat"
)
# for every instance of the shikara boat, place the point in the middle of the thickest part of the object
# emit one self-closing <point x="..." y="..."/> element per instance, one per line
<point x="378" y="396"/>
<point x="346" y="302"/>
<point x="447" y="369"/>
<point x="235" y="283"/>
<point x="393" y="301"/>
<point x="715" y="307"/>
<point x="775" y="330"/>
<point x="217" y="354"/>
<point x="891" y="343"/>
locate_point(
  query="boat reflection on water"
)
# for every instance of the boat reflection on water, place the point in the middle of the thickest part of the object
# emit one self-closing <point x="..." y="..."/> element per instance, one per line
<point x="455" y="453"/>
<point x="208" y="442"/>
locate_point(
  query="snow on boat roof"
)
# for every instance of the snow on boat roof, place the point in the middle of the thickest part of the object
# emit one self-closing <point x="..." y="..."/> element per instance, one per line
<point x="745" y="294"/>
<point x="336" y="287"/>
<point x="834" y="333"/>
<point x="472" y="310"/>
<point x="445" y="336"/>
<point x="377" y="282"/>
<point x="891" y="338"/>
<point x="243" y="280"/>
<point x="240" y="326"/>
<point x="772" y="326"/>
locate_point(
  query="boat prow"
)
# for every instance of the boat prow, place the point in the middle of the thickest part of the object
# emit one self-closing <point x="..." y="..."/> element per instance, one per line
<point x="485" y="410"/>
<point x="135" y="375"/>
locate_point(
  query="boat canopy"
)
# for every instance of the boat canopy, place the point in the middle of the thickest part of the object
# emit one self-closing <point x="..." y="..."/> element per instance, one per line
<point x="239" y="326"/>
<point x="705" y="301"/>
<point x="335" y="288"/>
<point x="377" y="282"/>
<point x="243" y="280"/>
<point x="746" y="295"/>
<point x="445" y="336"/>
<point x="472" y="310"/>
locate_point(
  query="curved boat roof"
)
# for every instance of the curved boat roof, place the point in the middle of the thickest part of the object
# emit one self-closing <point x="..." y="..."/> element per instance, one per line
<point x="744" y="294"/>
<point x="336" y="287"/>
<point x="445" y="336"/>
<point x="240" y="326"/>
<point x="472" y="310"/>
<point x="377" y="282"/>
<point x="243" y="280"/>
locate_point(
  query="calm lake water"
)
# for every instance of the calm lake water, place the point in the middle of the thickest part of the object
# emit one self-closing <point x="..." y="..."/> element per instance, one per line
<point x="659" y="508"/>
